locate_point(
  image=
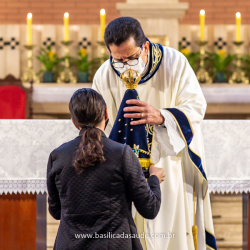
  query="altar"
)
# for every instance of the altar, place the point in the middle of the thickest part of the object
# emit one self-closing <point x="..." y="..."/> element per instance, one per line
<point x="225" y="101"/>
<point x="26" y="144"/>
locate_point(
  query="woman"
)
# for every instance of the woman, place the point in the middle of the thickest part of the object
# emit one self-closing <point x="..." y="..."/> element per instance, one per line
<point x="93" y="180"/>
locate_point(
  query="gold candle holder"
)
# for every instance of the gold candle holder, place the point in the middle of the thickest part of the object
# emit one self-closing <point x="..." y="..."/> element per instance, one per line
<point x="202" y="75"/>
<point x="66" y="76"/>
<point x="29" y="75"/>
<point x="238" y="76"/>
<point x="102" y="50"/>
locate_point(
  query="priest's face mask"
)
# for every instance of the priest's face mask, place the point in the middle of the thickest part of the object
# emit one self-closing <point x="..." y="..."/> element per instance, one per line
<point x="127" y="56"/>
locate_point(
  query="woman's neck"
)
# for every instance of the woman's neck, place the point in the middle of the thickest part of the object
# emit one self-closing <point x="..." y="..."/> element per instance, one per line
<point x="102" y="125"/>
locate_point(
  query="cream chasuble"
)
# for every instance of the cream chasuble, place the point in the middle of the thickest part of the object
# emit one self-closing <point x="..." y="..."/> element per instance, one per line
<point x="177" y="148"/>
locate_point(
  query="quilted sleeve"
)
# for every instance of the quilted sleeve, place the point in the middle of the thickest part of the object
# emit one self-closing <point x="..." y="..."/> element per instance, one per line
<point x="53" y="199"/>
<point x="145" y="195"/>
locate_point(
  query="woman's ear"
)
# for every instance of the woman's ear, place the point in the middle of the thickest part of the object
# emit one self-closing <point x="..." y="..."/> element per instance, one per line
<point x="75" y="124"/>
<point x="106" y="114"/>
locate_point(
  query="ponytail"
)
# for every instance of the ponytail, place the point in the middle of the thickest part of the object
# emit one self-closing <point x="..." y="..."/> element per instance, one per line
<point x="87" y="107"/>
<point x="90" y="150"/>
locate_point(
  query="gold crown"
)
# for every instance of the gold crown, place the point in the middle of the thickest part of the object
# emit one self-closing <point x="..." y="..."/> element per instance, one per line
<point x="128" y="78"/>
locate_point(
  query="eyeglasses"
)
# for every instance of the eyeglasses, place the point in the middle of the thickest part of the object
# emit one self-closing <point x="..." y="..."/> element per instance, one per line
<point x="131" y="62"/>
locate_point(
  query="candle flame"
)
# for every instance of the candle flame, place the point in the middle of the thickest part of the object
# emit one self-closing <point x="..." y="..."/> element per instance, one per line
<point x="66" y="14"/>
<point x="29" y="16"/>
<point x="102" y="12"/>
<point x="238" y="15"/>
<point x="202" y="12"/>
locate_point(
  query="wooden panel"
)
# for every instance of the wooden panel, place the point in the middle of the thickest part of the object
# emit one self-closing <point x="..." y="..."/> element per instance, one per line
<point x="227" y="218"/>
<point x="51" y="117"/>
<point x="18" y="221"/>
<point x="52" y="228"/>
<point x="51" y="220"/>
<point x="51" y="234"/>
<point x="225" y="212"/>
<point x="51" y="108"/>
<point x="228" y="108"/>
<point x="229" y="245"/>
<point x="41" y="221"/>
<point x="226" y="198"/>
<point x="233" y="246"/>
<point x="227" y="116"/>
<point x="228" y="233"/>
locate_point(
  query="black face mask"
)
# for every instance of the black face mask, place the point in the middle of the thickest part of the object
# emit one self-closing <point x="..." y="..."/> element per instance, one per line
<point x="106" y="123"/>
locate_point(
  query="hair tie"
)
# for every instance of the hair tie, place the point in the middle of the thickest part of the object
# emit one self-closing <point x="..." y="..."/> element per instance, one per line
<point x="88" y="126"/>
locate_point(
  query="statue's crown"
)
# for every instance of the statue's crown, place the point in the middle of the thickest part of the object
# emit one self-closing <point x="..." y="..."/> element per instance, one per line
<point x="131" y="78"/>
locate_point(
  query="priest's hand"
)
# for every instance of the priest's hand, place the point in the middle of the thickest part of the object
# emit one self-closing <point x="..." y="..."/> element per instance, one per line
<point x="159" y="172"/>
<point x="147" y="113"/>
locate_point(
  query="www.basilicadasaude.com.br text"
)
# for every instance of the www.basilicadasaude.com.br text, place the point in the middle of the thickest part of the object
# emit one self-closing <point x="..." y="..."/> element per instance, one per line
<point x="124" y="235"/>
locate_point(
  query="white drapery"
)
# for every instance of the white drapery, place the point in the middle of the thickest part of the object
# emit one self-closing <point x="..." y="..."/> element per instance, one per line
<point x="25" y="146"/>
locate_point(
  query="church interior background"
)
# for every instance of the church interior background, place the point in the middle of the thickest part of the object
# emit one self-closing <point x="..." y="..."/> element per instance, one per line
<point x="54" y="47"/>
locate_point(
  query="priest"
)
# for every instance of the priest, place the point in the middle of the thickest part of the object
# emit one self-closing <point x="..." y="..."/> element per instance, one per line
<point x="172" y="107"/>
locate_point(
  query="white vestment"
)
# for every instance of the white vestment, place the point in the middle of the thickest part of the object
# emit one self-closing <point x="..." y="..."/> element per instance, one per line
<point x="174" y="85"/>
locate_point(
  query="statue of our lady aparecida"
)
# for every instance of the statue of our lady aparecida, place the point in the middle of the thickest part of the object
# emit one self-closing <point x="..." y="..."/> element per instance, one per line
<point x="137" y="137"/>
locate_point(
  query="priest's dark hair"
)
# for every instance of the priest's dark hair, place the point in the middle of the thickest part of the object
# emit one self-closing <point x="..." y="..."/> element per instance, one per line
<point x="121" y="29"/>
<point x="87" y="109"/>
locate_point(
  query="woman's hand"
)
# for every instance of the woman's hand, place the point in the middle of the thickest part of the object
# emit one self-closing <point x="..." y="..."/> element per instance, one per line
<point x="159" y="172"/>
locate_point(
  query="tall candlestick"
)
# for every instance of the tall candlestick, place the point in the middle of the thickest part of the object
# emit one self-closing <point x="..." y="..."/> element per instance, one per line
<point x="238" y="24"/>
<point x="29" y="29"/>
<point x="202" y="24"/>
<point x="66" y="26"/>
<point x="102" y="18"/>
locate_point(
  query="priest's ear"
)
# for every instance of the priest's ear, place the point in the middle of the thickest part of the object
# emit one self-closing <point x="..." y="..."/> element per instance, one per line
<point x="146" y="47"/>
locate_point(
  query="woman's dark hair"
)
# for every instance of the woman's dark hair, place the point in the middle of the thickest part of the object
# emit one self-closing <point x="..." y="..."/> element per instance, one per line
<point x="121" y="29"/>
<point x="87" y="108"/>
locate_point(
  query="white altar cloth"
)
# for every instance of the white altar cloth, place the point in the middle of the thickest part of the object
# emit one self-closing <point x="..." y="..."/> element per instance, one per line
<point x="25" y="146"/>
<point x="226" y="93"/>
<point x="214" y="93"/>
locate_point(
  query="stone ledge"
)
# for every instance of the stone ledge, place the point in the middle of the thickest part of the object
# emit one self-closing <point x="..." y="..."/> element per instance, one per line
<point x="156" y="10"/>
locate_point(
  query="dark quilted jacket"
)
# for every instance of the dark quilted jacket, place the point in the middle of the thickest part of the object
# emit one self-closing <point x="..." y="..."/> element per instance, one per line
<point x="98" y="201"/>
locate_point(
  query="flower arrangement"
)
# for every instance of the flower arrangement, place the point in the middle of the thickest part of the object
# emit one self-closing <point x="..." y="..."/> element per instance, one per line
<point x="82" y="61"/>
<point x="50" y="62"/>
<point x="83" y="65"/>
<point x="192" y="57"/>
<point x="246" y="64"/>
<point x="221" y="65"/>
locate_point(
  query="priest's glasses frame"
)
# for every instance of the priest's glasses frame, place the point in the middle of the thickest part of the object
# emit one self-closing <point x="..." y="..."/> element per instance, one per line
<point x="130" y="62"/>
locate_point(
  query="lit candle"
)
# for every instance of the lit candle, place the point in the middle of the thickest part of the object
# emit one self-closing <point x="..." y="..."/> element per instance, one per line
<point x="29" y="29"/>
<point x="202" y="24"/>
<point x="102" y="18"/>
<point x="66" y="26"/>
<point x="238" y="23"/>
